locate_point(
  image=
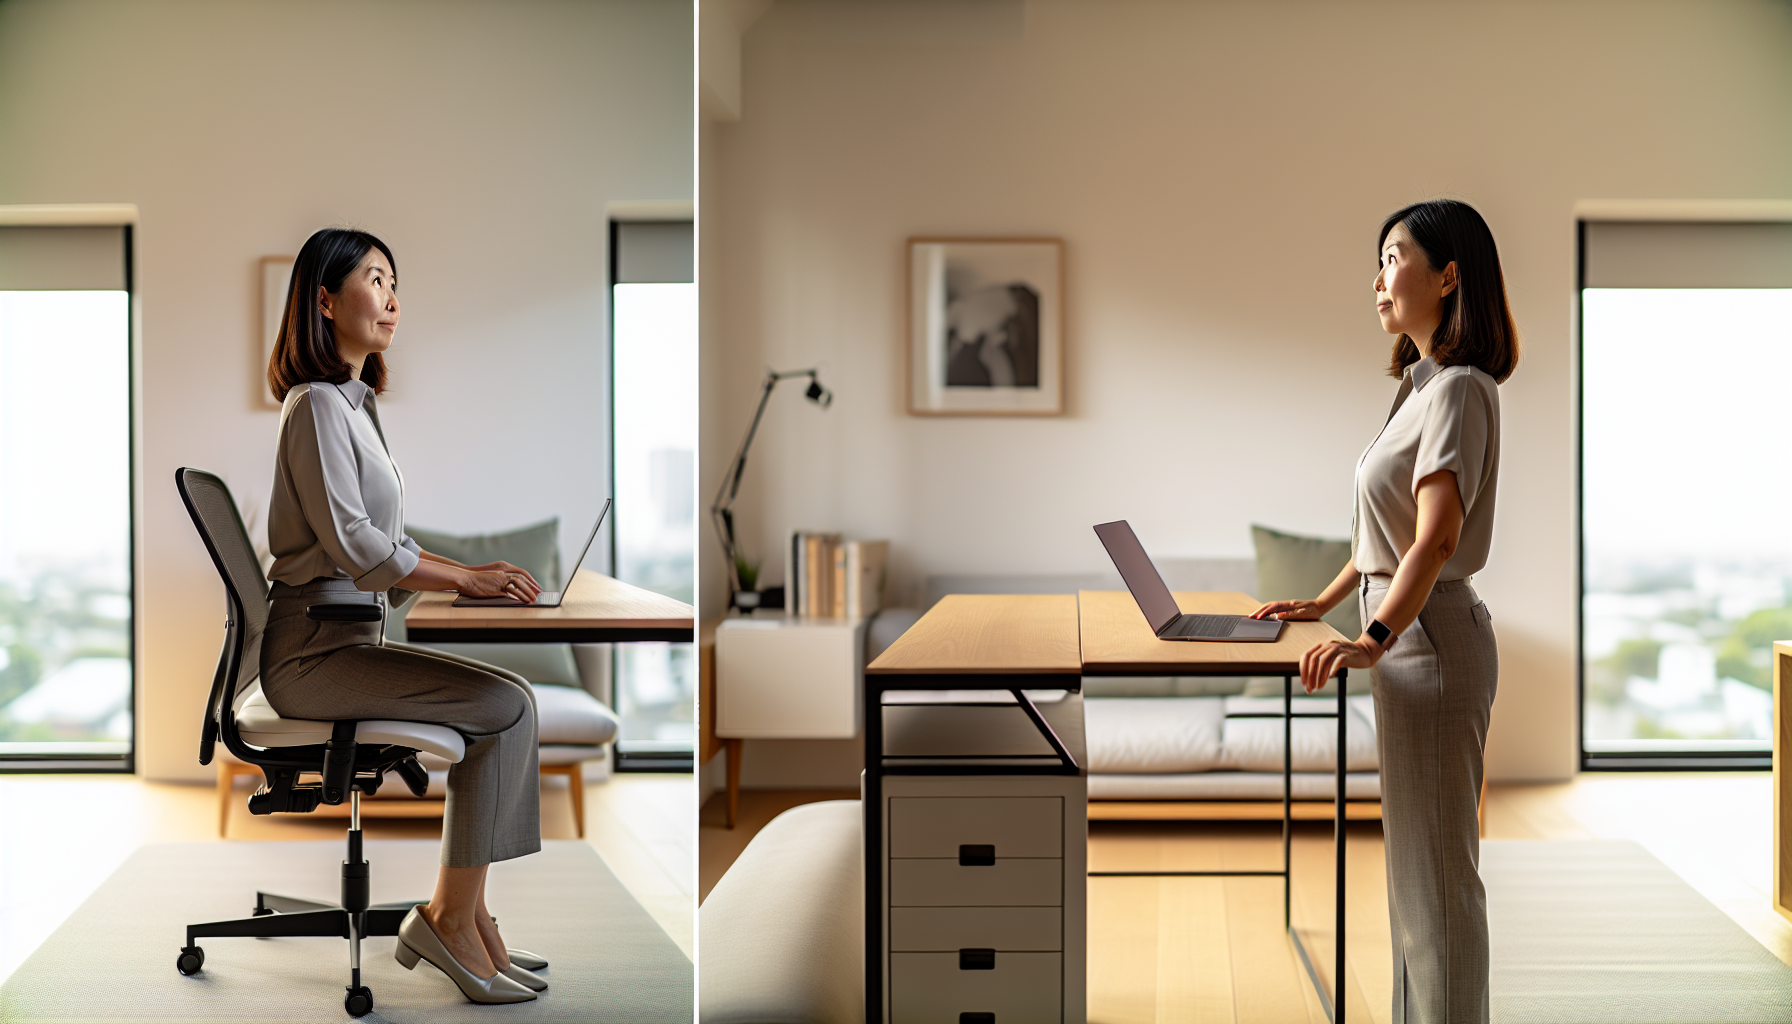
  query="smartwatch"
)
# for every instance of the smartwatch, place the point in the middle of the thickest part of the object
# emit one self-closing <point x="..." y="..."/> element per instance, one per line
<point x="1381" y="634"/>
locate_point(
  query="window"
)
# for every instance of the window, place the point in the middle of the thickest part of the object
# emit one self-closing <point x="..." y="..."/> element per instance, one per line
<point x="66" y="610"/>
<point x="653" y="339"/>
<point x="1686" y="548"/>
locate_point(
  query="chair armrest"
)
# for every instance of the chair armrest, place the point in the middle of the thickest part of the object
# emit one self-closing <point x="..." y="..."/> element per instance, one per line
<point x="344" y="612"/>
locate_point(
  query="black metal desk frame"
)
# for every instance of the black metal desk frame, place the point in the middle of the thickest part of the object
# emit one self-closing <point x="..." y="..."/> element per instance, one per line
<point x="877" y="766"/>
<point x="1334" y="1009"/>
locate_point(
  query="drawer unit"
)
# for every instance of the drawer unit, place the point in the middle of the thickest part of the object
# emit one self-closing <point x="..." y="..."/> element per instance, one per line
<point x="948" y="988"/>
<point x="1003" y="929"/>
<point x="1006" y="883"/>
<point x="940" y="826"/>
<point x="976" y="892"/>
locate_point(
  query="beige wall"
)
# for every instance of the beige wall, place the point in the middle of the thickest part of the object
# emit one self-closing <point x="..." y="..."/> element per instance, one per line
<point x="1218" y="171"/>
<point x="481" y="140"/>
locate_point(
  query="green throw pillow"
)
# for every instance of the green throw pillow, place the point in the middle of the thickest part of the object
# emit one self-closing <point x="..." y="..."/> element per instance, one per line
<point x="1291" y="567"/>
<point x="535" y="548"/>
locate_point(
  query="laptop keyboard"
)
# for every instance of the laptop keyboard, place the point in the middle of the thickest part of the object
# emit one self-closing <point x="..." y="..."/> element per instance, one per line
<point x="1206" y="625"/>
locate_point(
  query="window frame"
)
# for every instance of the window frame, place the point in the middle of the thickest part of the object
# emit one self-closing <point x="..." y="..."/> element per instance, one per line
<point x="126" y="763"/>
<point x="659" y="756"/>
<point x="1691" y="759"/>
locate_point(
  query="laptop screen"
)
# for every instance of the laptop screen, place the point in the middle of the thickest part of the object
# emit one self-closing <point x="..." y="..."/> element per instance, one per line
<point x="1140" y="575"/>
<point x="566" y="584"/>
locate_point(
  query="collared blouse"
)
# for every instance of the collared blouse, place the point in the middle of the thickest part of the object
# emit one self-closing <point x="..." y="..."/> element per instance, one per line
<point x="338" y="504"/>
<point x="1445" y="418"/>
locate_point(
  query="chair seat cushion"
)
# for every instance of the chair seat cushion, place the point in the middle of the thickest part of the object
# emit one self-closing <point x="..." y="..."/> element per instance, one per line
<point x="571" y="716"/>
<point x="260" y="725"/>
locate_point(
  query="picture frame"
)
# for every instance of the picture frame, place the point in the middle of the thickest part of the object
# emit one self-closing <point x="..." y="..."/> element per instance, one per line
<point x="985" y="327"/>
<point x="276" y="272"/>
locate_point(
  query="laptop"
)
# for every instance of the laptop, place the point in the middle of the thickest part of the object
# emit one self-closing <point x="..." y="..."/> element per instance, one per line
<point x="547" y="598"/>
<point x="1161" y="613"/>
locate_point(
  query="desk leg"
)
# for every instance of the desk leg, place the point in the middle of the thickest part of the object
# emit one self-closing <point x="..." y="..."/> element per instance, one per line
<point x="1287" y="802"/>
<point x="732" y="748"/>
<point x="1338" y="840"/>
<point x="872" y="795"/>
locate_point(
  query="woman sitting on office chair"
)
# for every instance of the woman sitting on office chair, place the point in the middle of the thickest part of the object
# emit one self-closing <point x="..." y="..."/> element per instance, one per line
<point x="336" y="528"/>
<point x="1424" y="523"/>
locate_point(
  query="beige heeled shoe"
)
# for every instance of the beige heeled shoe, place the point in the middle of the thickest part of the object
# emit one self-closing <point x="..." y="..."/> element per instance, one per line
<point x="526" y="978"/>
<point x="418" y="941"/>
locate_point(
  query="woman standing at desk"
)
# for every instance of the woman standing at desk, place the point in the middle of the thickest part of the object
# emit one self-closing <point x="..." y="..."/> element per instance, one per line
<point x="336" y="530"/>
<point x="1424" y="523"/>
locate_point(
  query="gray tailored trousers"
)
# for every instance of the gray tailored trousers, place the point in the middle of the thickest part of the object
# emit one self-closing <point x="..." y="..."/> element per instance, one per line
<point x="1433" y="695"/>
<point x="334" y="670"/>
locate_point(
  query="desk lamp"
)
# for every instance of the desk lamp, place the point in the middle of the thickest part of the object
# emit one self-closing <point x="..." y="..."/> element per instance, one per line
<point x="722" y="510"/>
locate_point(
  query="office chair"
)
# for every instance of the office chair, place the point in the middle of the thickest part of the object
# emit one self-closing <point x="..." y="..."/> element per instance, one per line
<point x="349" y="758"/>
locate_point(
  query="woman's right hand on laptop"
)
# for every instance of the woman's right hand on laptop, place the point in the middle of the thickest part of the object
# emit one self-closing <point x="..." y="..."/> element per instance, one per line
<point x="512" y="583"/>
<point x="1290" y="611"/>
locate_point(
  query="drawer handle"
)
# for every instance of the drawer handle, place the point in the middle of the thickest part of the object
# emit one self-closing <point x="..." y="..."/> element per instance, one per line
<point x="976" y="1018"/>
<point x="976" y="959"/>
<point x="977" y="855"/>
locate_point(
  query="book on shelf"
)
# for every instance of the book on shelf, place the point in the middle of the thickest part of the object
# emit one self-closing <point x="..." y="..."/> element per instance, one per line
<point x="827" y="576"/>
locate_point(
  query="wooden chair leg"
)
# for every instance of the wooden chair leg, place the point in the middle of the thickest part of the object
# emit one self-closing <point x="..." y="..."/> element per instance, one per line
<point x="226" y="786"/>
<point x="1481" y="808"/>
<point x="576" y="782"/>
<point x="732" y="747"/>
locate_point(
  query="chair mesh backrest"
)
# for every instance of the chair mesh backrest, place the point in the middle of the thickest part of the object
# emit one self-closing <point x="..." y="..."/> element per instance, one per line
<point x="214" y="513"/>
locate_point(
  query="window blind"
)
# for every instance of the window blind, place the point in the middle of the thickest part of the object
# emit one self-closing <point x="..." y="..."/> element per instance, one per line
<point x="654" y="252"/>
<point x="1686" y="254"/>
<point x="84" y="258"/>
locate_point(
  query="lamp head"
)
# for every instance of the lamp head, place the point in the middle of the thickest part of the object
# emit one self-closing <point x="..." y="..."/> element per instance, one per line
<point x="819" y="395"/>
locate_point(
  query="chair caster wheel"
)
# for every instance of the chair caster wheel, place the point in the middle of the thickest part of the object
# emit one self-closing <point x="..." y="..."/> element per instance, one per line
<point x="359" y="1001"/>
<point x="191" y="959"/>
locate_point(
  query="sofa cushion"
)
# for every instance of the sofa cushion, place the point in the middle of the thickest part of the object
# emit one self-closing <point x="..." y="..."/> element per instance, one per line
<point x="1255" y="744"/>
<point x="1154" y="734"/>
<point x="1230" y="785"/>
<point x="783" y="931"/>
<point x="539" y="663"/>
<point x="535" y="548"/>
<point x="569" y="715"/>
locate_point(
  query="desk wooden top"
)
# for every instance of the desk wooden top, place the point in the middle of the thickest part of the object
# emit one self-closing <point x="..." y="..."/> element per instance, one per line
<point x="988" y="634"/>
<point x="1117" y="641"/>
<point x="596" y="609"/>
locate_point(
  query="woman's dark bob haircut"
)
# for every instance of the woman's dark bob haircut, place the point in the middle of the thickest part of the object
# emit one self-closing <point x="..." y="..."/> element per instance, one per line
<point x="1476" y="328"/>
<point x="305" y="350"/>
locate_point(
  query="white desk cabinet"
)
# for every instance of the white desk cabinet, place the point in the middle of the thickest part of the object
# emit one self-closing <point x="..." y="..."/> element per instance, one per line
<point x="789" y="678"/>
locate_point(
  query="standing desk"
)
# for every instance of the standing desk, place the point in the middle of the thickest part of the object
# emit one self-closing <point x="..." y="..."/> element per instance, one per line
<point x="597" y="609"/>
<point x="976" y="642"/>
<point x="1116" y="641"/>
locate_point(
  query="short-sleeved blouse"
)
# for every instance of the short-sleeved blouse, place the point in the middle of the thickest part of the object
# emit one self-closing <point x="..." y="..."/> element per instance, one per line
<point x="1449" y="420"/>
<point x="338" y="504"/>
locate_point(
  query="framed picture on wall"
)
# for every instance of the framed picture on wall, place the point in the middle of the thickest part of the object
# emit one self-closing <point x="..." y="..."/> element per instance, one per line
<point x="985" y="326"/>
<point x="276" y="271"/>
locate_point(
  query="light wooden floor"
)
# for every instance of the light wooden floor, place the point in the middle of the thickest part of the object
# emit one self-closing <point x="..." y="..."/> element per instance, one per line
<point x="1200" y="950"/>
<point x="62" y="835"/>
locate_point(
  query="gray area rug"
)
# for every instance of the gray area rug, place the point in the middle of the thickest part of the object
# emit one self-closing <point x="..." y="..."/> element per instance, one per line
<point x="113" y="959"/>
<point x="1601" y="931"/>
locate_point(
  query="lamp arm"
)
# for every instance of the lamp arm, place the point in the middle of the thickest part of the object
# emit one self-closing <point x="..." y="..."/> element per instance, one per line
<point x="721" y="510"/>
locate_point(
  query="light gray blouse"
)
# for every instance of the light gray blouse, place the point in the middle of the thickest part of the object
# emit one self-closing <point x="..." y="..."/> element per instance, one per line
<point x="338" y="502"/>
<point x="1444" y="418"/>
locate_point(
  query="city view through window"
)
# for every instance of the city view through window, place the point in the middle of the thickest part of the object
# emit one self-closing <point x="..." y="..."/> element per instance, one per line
<point x="655" y="359"/>
<point x="1685" y="521"/>
<point x="65" y="522"/>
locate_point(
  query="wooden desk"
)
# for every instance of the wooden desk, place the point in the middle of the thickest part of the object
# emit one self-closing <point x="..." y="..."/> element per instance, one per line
<point x="981" y="642"/>
<point x="1117" y="641"/>
<point x="597" y="609"/>
<point x="972" y="641"/>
